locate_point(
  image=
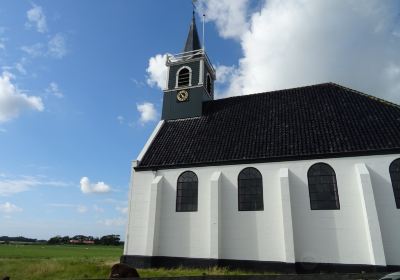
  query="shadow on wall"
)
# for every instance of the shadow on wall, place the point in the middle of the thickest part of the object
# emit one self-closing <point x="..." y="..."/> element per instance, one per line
<point x="314" y="231"/>
<point x="388" y="216"/>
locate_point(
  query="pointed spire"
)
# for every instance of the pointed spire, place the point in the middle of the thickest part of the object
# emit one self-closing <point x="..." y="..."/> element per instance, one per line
<point x="192" y="41"/>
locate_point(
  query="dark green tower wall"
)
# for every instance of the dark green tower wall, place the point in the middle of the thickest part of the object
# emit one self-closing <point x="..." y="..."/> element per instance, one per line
<point x="173" y="109"/>
<point x="194" y="65"/>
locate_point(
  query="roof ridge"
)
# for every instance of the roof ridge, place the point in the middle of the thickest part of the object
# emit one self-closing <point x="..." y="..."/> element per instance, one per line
<point x="373" y="97"/>
<point x="381" y="100"/>
<point x="272" y="91"/>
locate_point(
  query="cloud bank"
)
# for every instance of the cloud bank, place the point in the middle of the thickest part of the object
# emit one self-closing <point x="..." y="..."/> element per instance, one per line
<point x="288" y="43"/>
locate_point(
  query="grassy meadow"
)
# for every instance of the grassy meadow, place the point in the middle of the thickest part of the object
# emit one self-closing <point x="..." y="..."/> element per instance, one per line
<point x="34" y="262"/>
<point x="31" y="262"/>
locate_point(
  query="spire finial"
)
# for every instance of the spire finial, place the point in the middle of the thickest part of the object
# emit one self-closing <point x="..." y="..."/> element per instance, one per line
<point x="194" y="6"/>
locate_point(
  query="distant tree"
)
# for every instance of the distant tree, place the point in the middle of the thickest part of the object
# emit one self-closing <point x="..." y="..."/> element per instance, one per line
<point x="17" y="239"/>
<point x="65" y="239"/>
<point x="112" y="239"/>
<point x="55" y="240"/>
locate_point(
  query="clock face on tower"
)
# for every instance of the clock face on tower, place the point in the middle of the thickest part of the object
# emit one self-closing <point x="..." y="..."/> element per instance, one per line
<point x="182" y="95"/>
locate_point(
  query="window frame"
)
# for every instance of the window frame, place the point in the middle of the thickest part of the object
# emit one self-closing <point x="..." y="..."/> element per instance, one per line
<point x="177" y="77"/>
<point x="189" y="189"/>
<point x="326" y="193"/>
<point x="258" y="193"/>
<point x="396" y="193"/>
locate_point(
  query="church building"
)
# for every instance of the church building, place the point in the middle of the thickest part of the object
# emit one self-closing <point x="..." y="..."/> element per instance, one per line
<point x="301" y="179"/>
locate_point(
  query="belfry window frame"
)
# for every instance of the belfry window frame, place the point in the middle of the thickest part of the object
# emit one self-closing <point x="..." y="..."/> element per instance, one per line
<point x="321" y="181"/>
<point x="177" y="77"/>
<point x="395" y="181"/>
<point x="249" y="193"/>
<point x="187" y="189"/>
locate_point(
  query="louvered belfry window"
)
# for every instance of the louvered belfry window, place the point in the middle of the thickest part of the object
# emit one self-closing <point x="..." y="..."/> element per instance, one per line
<point x="250" y="190"/>
<point x="394" y="170"/>
<point x="187" y="192"/>
<point x="183" y="77"/>
<point x="323" y="187"/>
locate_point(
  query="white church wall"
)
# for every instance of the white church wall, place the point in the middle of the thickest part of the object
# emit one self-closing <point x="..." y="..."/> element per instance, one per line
<point x="389" y="215"/>
<point x="327" y="236"/>
<point x="139" y="203"/>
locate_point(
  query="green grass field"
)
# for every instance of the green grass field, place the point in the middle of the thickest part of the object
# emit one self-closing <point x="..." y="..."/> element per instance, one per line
<point x="34" y="262"/>
<point x="57" y="261"/>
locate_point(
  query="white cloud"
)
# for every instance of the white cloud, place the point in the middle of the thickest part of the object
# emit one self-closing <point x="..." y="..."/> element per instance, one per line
<point x="224" y="74"/>
<point x="147" y="112"/>
<point x="138" y="83"/>
<point x="9" y="208"/>
<point x="115" y="222"/>
<point x="88" y="187"/>
<point x="20" y="68"/>
<point x="81" y="209"/>
<point x="2" y="44"/>
<point x="78" y="208"/>
<point x="57" y="47"/>
<point x="157" y="71"/>
<point x="123" y="210"/>
<point x="290" y="43"/>
<point x="228" y="15"/>
<point x="98" y="209"/>
<point x="121" y="119"/>
<point x="13" y="185"/>
<point x="13" y="101"/>
<point x="37" y="18"/>
<point x="54" y="90"/>
<point x="3" y="130"/>
<point x="34" y="50"/>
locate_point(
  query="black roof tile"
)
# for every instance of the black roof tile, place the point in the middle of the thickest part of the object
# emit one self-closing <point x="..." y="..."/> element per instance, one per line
<point x="325" y="120"/>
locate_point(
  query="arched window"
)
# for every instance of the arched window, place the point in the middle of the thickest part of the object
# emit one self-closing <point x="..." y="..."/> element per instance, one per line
<point x="183" y="77"/>
<point x="186" y="192"/>
<point x="394" y="171"/>
<point x="209" y="84"/>
<point x="250" y="190"/>
<point x="323" y="187"/>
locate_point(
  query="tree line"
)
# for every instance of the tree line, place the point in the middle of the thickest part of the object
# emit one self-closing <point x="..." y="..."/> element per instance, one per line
<point x="7" y="239"/>
<point x="111" y="239"/>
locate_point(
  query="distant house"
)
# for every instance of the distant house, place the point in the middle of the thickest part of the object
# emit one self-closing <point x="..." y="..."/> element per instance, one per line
<point x="305" y="178"/>
<point x="74" y="241"/>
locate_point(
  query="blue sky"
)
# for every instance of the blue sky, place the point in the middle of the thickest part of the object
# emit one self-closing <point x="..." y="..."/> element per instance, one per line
<point x="80" y="87"/>
<point x="90" y="85"/>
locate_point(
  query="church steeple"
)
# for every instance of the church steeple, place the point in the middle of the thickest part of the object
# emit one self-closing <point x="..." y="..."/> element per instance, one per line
<point x="192" y="41"/>
<point x="190" y="80"/>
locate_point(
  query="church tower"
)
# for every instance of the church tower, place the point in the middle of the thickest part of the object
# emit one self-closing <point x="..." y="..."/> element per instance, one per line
<point x="190" y="80"/>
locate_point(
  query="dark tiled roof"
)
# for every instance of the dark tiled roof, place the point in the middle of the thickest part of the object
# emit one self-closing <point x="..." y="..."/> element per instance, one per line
<point x="325" y="120"/>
